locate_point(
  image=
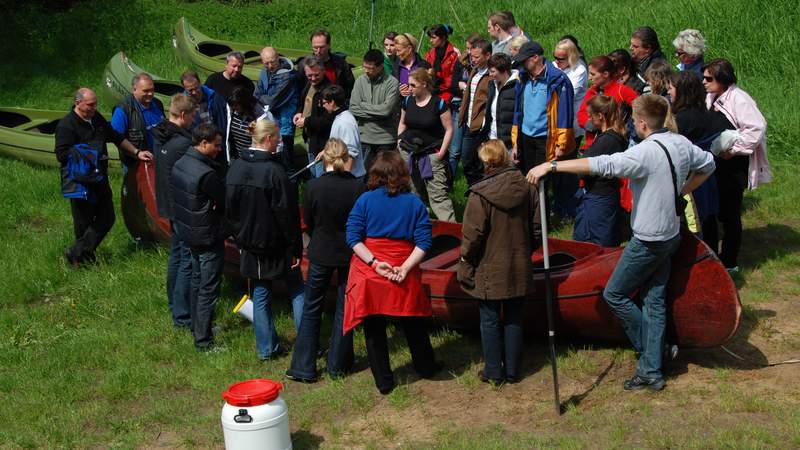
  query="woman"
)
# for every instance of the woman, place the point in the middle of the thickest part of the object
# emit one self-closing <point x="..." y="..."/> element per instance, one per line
<point x="745" y="164"/>
<point x="261" y="208"/>
<point x="389" y="52"/>
<point x="408" y="60"/>
<point x="598" y="214"/>
<point x="495" y="268"/>
<point x="624" y="67"/>
<point x="502" y="99"/>
<point x="389" y="232"/>
<point x="690" y="45"/>
<point x="515" y="44"/>
<point x="326" y="205"/>
<point x="602" y="74"/>
<point x="424" y="135"/>
<point x="657" y="76"/>
<point x="443" y="58"/>
<point x="243" y="109"/>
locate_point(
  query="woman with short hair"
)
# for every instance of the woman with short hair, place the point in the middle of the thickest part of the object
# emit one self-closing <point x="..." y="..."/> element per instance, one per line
<point x="327" y="202"/>
<point x="745" y="164"/>
<point x="515" y="44"/>
<point x="500" y="229"/>
<point x="690" y="46"/>
<point x="389" y="232"/>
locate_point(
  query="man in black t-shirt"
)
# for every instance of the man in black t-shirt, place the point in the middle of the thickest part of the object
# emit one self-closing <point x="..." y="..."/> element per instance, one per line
<point x="224" y="82"/>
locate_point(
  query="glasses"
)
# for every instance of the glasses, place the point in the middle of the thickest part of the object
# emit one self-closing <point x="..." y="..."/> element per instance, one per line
<point x="679" y="53"/>
<point x="412" y="85"/>
<point x="709" y="79"/>
<point x="559" y="58"/>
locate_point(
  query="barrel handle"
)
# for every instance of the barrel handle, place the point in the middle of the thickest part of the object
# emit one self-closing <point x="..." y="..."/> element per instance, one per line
<point x="242" y="417"/>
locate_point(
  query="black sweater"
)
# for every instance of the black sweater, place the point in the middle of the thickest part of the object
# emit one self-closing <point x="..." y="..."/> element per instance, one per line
<point x="606" y="143"/>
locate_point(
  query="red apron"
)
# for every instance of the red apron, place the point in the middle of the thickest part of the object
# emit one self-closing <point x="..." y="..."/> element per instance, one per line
<point x="370" y="294"/>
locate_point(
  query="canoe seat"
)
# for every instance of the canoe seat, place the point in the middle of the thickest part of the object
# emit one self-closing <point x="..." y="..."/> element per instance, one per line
<point x="11" y="119"/>
<point x="443" y="260"/>
<point x="214" y="50"/>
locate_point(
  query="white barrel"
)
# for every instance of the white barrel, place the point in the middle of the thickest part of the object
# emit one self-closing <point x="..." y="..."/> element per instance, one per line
<point x="253" y="425"/>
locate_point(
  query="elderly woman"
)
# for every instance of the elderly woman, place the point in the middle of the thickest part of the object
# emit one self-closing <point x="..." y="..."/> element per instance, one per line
<point x="261" y="208"/>
<point x="689" y="49"/>
<point x="407" y="61"/>
<point x="498" y="237"/>
<point x="389" y="232"/>
<point x="743" y="165"/>
<point x="424" y="132"/>
<point x="326" y="205"/>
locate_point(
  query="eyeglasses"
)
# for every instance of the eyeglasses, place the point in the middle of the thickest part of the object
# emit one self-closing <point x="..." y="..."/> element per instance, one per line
<point x="559" y="59"/>
<point x="709" y="79"/>
<point x="679" y="53"/>
<point x="412" y="85"/>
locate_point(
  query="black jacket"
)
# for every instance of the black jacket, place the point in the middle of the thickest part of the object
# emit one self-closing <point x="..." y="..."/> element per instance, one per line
<point x="317" y="127"/>
<point x="263" y="215"/>
<point x="198" y="194"/>
<point x="505" y="110"/>
<point x="639" y="82"/>
<point x="137" y="130"/>
<point x="606" y="143"/>
<point x="72" y="130"/>
<point x="343" y="70"/>
<point x="326" y="206"/>
<point x="170" y="144"/>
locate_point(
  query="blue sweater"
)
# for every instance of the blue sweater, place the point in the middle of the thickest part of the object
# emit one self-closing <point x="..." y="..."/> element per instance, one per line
<point x="378" y="215"/>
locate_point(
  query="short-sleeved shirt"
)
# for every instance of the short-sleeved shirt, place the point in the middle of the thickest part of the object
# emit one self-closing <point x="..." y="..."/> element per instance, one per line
<point x="152" y="116"/>
<point x="424" y="122"/>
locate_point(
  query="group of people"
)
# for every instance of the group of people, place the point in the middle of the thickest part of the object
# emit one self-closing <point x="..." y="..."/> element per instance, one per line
<point x="383" y="150"/>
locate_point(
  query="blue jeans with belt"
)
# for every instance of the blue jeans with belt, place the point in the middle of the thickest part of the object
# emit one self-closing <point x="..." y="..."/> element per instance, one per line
<point x="644" y="266"/>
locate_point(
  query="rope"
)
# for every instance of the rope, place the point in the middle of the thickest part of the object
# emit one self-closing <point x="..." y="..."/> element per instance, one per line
<point x="788" y="361"/>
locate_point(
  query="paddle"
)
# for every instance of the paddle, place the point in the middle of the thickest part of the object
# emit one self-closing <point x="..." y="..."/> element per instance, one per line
<point x="549" y="296"/>
<point x="308" y="166"/>
<point x="371" y="18"/>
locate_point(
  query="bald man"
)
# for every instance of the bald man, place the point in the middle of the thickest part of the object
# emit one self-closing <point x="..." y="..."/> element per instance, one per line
<point x="277" y="90"/>
<point x="92" y="217"/>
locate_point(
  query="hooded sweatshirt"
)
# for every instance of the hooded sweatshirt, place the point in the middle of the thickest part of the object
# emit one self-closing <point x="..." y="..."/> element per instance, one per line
<point x="170" y="143"/>
<point x="500" y="229"/>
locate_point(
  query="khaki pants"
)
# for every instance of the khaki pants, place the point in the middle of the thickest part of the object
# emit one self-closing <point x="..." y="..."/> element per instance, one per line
<point x="434" y="191"/>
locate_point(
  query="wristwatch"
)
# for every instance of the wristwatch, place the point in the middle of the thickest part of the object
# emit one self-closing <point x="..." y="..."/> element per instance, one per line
<point x="553" y="166"/>
<point x="372" y="261"/>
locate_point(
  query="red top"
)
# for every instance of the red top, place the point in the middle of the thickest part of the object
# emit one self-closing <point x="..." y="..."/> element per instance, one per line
<point x="252" y="392"/>
<point x="445" y="73"/>
<point x="330" y="71"/>
<point x="371" y="294"/>
<point x="614" y="88"/>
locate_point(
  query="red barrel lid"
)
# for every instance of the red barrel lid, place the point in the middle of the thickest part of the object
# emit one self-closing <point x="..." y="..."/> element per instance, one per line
<point x="254" y="392"/>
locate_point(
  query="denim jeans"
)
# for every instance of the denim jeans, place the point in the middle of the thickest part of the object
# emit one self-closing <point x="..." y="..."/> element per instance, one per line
<point x="263" y="324"/>
<point x="179" y="282"/>
<point x="207" y="264"/>
<point x="340" y="354"/>
<point x="501" y="342"/>
<point x="472" y="165"/>
<point x="455" y="143"/>
<point x="644" y="266"/>
<point x="317" y="170"/>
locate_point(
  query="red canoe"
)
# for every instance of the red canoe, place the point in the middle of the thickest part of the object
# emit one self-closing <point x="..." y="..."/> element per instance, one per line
<point x="704" y="307"/>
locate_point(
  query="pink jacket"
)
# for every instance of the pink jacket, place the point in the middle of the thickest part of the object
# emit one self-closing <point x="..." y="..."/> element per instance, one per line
<point x="742" y="111"/>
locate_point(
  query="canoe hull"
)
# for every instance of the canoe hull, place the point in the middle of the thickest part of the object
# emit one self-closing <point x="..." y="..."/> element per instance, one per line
<point x="119" y="73"/>
<point x="703" y="303"/>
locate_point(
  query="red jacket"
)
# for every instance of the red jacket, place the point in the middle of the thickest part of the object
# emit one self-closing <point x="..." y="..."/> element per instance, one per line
<point x="443" y="77"/>
<point x="614" y="88"/>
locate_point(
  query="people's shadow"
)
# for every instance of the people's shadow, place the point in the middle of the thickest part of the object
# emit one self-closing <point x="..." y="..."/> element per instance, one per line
<point x="302" y="439"/>
<point x="763" y="244"/>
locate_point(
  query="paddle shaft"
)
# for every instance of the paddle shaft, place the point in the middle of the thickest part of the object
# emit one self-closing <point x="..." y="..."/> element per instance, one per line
<point x="371" y="18"/>
<point x="308" y="166"/>
<point x="551" y="331"/>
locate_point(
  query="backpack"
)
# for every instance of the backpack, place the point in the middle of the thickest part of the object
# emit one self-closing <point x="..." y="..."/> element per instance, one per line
<point x="81" y="172"/>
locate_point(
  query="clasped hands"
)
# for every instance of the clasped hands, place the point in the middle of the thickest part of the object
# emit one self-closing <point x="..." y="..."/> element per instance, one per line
<point x="393" y="273"/>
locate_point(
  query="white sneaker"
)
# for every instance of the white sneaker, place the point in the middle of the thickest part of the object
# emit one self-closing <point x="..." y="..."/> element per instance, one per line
<point x="732" y="270"/>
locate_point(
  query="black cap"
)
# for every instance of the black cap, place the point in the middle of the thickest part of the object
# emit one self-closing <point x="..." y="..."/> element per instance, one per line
<point x="527" y="50"/>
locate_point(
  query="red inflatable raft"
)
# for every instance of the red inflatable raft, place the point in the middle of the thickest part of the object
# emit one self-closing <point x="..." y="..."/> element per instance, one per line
<point x="703" y="303"/>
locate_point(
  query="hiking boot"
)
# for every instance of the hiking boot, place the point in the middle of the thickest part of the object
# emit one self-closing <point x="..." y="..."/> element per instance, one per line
<point x="636" y="383"/>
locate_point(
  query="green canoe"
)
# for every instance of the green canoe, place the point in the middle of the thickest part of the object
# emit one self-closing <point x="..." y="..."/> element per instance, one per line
<point x="207" y="55"/>
<point x="119" y="73"/>
<point x="29" y="135"/>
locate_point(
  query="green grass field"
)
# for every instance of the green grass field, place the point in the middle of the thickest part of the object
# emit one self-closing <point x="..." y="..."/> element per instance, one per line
<point x="89" y="358"/>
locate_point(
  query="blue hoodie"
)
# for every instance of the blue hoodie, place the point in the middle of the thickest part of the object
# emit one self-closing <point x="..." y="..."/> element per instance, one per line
<point x="278" y="91"/>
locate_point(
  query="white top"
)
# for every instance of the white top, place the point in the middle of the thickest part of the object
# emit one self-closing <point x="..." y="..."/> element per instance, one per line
<point x="579" y="77"/>
<point x="345" y="128"/>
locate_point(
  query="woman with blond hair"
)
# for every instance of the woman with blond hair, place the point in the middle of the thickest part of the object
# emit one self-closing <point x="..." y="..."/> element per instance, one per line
<point x="326" y="205"/>
<point x="407" y="61"/>
<point x="515" y="43"/>
<point x="501" y="227"/>
<point x="261" y="209"/>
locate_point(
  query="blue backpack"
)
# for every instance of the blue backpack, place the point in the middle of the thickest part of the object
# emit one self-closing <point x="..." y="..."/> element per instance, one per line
<point x="82" y="171"/>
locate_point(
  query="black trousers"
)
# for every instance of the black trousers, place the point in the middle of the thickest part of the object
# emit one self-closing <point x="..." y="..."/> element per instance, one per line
<point x="532" y="152"/>
<point x="91" y="222"/>
<point x="419" y="343"/>
<point x="371" y="152"/>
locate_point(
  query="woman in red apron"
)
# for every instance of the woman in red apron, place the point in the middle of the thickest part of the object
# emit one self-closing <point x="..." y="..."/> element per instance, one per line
<point x="389" y="232"/>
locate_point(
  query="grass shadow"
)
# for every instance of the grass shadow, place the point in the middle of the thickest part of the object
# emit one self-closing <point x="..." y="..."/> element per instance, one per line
<point x="766" y="243"/>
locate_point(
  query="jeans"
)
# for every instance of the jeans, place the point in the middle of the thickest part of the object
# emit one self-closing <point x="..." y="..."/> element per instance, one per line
<point x="502" y="343"/>
<point x="266" y="336"/>
<point x="91" y="222"/>
<point x="565" y="187"/>
<point x="340" y="354"/>
<point x="472" y="165"/>
<point x="207" y="264"/>
<point x="316" y="170"/>
<point x="287" y="155"/>
<point x="179" y="281"/>
<point x="455" y="143"/>
<point x="644" y="266"/>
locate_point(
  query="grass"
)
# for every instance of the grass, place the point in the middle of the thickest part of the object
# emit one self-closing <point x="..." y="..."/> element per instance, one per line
<point x="90" y="358"/>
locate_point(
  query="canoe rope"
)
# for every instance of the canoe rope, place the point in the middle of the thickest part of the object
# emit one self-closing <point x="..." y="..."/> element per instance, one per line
<point x="788" y="361"/>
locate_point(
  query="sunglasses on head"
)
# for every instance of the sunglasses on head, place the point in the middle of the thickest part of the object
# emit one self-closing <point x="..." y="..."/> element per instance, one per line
<point x="709" y="79"/>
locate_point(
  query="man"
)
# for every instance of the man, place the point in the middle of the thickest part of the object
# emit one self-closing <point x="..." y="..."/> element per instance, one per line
<point x="499" y="27"/>
<point x="276" y="90"/>
<point x="210" y="106"/>
<point x="374" y="103"/>
<point x="544" y="114"/>
<point x="198" y="194"/>
<point x="644" y="50"/>
<point x="172" y="140"/>
<point x="515" y="30"/>
<point x="502" y="99"/>
<point x="311" y="116"/>
<point x="658" y="168"/>
<point x="136" y="116"/>
<point x="92" y="217"/>
<point x="472" y="114"/>
<point x="344" y="127"/>
<point x="231" y="76"/>
<point x="336" y="68"/>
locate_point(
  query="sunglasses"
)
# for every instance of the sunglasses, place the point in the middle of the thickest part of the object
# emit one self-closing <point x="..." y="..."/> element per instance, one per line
<point x="559" y="59"/>
<point x="709" y="79"/>
<point x="412" y="85"/>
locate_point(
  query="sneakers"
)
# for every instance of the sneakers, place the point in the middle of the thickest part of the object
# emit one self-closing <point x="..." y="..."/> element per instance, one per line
<point x="637" y="383"/>
<point x="300" y="379"/>
<point x="732" y="270"/>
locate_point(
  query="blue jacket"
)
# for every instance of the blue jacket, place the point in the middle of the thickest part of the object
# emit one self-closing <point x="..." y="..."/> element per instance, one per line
<point x="278" y="91"/>
<point x="216" y="108"/>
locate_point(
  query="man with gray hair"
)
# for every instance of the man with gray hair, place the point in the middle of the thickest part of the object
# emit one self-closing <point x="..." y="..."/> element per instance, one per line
<point x="276" y="89"/>
<point x="645" y="50"/>
<point x="92" y="216"/>
<point x="311" y="115"/>
<point x="136" y="116"/>
<point x="231" y="76"/>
